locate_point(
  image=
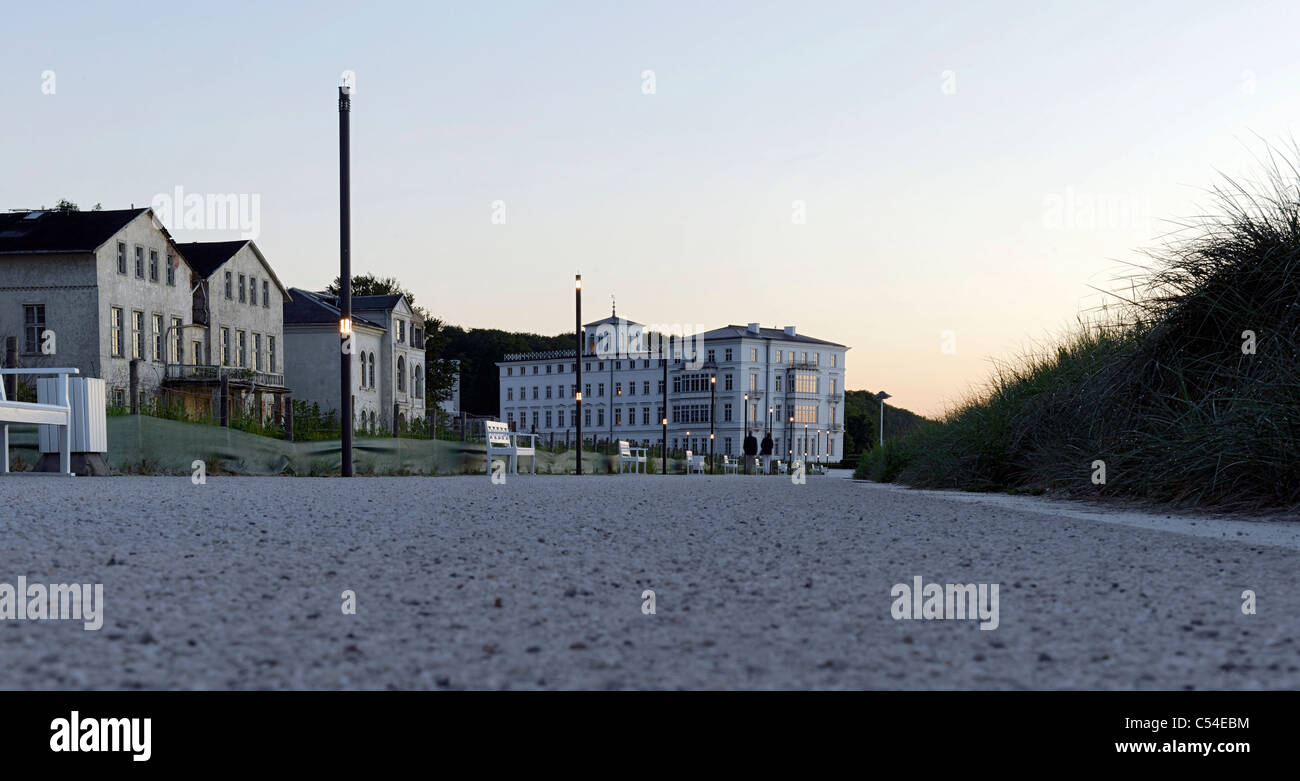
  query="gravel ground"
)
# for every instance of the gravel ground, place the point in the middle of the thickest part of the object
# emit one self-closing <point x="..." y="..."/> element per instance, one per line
<point x="537" y="583"/>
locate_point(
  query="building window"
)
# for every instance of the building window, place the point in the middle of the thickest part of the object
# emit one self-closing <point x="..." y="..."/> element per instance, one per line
<point x="171" y="269"/>
<point x="753" y="382"/>
<point x="225" y="346"/>
<point x="401" y="331"/>
<point x="726" y="382"/>
<point x="548" y="419"/>
<point x="586" y="416"/>
<point x="510" y="371"/>
<point x="270" y="352"/>
<point x="510" y="394"/>
<point x="137" y="333"/>
<point x="560" y="418"/>
<point x="33" y="327"/>
<point x="600" y="389"/>
<point x="372" y="370"/>
<point x="266" y="294"/>
<point x="534" y="392"/>
<point x="600" y="416"/>
<point x="401" y="372"/>
<point x="257" y="352"/>
<point x="241" y="348"/>
<point x="726" y="413"/>
<point x="618" y="417"/>
<point x="618" y="389"/>
<point x="121" y="258"/>
<point x="139" y="262"/>
<point x="115" y="329"/>
<point x="243" y="295"/>
<point x="157" y="337"/>
<point x="753" y="354"/>
<point x="645" y="416"/>
<point x="586" y="392"/>
<point x="726" y="445"/>
<point x="645" y="387"/>
<point x="229" y="286"/>
<point x="177" y="347"/>
<point x="534" y="420"/>
<point x="832" y="386"/>
<point x="777" y="381"/>
<point x="712" y="356"/>
<point x="153" y="265"/>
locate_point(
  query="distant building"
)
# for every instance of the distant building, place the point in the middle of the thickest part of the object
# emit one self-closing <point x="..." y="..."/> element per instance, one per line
<point x="785" y="374"/>
<point x="387" y="356"/>
<point x="109" y="287"/>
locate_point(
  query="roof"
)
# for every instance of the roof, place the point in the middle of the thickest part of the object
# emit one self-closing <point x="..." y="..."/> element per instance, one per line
<point x="739" y="331"/>
<point x="307" y="308"/>
<point x="205" y="257"/>
<point x="611" y="320"/>
<point x="54" y="232"/>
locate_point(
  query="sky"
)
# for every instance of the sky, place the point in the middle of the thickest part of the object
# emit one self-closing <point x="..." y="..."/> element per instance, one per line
<point x="937" y="185"/>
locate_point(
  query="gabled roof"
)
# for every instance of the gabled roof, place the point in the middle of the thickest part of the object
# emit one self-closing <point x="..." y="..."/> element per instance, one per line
<point x="612" y="320"/>
<point x="52" y="232"/>
<point x="738" y="331"/>
<point x="308" y="308"/>
<point x="205" y="257"/>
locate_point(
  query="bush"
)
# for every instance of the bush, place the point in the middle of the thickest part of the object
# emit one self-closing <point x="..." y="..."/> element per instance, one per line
<point x="1165" y="389"/>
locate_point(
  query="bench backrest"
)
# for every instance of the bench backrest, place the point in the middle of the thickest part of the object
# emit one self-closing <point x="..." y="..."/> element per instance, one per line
<point x="496" y="433"/>
<point x="624" y="449"/>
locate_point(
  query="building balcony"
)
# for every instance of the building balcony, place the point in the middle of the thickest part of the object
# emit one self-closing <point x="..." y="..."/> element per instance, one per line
<point x="836" y="398"/>
<point x="237" y="375"/>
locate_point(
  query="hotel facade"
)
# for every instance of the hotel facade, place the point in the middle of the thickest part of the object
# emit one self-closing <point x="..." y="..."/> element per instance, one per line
<point x="773" y="379"/>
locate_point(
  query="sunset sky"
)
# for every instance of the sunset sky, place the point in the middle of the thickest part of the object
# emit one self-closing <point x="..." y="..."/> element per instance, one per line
<point x="947" y="159"/>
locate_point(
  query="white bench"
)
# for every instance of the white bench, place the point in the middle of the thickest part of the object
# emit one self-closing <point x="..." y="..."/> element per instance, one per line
<point x="41" y="414"/>
<point x="694" y="463"/>
<point x="501" y="441"/>
<point x="631" y="455"/>
<point x="728" y="465"/>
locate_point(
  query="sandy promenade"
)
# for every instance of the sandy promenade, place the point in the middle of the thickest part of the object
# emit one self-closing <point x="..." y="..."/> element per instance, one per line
<point x="538" y="583"/>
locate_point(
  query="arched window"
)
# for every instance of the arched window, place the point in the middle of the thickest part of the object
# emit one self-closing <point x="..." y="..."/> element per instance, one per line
<point x="417" y="381"/>
<point x="372" y="412"/>
<point x="401" y="373"/>
<point x="372" y="370"/>
<point x="363" y="370"/>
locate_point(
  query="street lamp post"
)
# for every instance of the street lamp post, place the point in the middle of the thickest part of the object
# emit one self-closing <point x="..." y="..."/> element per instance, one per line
<point x="713" y="410"/>
<point x="345" y="276"/>
<point x="577" y="335"/>
<point x="882" y="396"/>
<point x="664" y="360"/>
<point x="746" y="436"/>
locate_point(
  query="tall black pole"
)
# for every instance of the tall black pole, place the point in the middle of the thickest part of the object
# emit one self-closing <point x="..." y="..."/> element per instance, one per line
<point x="577" y="415"/>
<point x="665" y="415"/>
<point x="345" y="277"/>
<point x="713" y="413"/>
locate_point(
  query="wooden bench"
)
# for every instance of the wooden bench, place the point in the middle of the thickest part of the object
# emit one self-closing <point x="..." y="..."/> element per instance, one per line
<point x="631" y="455"/>
<point x="694" y="463"/>
<point x="728" y="465"/>
<point x="59" y="414"/>
<point x="501" y="441"/>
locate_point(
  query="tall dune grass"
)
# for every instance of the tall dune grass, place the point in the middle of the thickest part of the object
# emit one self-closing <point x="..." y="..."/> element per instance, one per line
<point x="1160" y="389"/>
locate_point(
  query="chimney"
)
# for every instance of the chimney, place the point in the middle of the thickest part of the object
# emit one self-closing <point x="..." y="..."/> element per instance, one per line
<point x="753" y="328"/>
<point x="789" y="330"/>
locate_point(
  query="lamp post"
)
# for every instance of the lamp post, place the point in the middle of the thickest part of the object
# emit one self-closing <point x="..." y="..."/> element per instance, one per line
<point x="345" y="277"/>
<point x="577" y="335"/>
<point x="746" y="436"/>
<point x="664" y="360"/>
<point x="789" y="440"/>
<point x="805" y="443"/>
<point x="713" y="409"/>
<point x="882" y="396"/>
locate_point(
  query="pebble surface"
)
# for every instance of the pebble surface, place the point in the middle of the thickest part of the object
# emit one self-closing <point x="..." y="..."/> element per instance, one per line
<point x="537" y="584"/>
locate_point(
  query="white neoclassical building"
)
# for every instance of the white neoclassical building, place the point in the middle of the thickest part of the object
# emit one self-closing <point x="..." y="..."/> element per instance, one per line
<point x="777" y="380"/>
